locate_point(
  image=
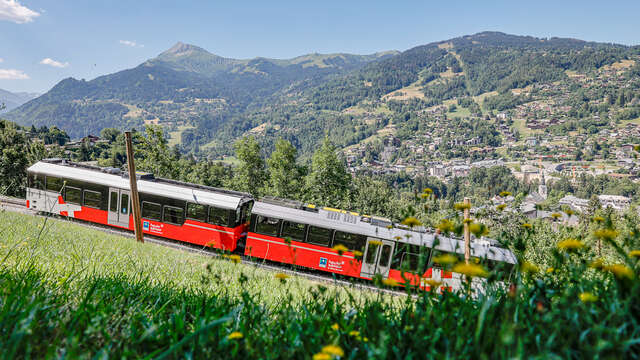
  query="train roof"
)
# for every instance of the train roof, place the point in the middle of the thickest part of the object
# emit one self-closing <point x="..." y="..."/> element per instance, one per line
<point x="146" y="183"/>
<point x="351" y="222"/>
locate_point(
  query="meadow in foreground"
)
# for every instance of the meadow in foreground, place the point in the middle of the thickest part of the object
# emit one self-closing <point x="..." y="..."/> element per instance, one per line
<point x="80" y="293"/>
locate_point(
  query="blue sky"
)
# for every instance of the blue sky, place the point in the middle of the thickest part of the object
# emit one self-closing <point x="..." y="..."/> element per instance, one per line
<point x="44" y="41"/>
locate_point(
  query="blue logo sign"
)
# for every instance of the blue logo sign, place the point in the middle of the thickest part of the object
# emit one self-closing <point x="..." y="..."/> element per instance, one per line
<point x="145" y="225"/>
<point x="323" y="262"/>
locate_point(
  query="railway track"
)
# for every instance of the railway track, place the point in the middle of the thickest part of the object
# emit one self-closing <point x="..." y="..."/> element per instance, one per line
<point x="19" y="205"/>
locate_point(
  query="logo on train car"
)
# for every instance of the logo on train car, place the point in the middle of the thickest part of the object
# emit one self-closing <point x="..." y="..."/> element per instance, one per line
<point x="323" y="262"/>
<point x="145" y="225"/>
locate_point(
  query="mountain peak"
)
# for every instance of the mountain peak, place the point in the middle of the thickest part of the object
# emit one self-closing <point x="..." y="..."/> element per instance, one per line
<point x="182" y="49"/>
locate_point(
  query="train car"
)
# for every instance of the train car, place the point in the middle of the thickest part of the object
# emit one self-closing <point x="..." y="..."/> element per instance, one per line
<point x="346" y="243"/>
<point x="175" y="210"/>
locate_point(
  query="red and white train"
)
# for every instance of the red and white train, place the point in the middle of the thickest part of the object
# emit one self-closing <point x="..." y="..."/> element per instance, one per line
<point x="324" y="239"/>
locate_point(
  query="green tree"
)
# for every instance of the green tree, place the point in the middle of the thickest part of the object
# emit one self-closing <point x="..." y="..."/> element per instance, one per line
<point x="156" y="157"/>
<point x="284" y="174"/>
<point x="328" y="182"/>
<point x="250" y="175"/>
<point x="13" y="159"/>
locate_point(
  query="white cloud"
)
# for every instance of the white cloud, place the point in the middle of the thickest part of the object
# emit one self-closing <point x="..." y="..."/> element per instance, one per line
<point x="13" y="74"/>
<point x="51" y="62"/>
<point x="1" y="59"/>
<point x="130" y="43"/>
<point x="11" y="10"/>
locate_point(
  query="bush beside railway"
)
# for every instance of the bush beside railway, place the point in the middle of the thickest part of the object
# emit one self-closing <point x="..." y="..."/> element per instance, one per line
<point x="75" y="292"/>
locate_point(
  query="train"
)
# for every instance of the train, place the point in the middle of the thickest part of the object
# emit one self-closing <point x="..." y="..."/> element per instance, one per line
<point x="285" y="231"/>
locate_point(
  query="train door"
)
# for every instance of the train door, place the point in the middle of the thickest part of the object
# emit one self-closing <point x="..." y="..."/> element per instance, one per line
<point x="119" y="207"/>
<point x="377" y="257"/>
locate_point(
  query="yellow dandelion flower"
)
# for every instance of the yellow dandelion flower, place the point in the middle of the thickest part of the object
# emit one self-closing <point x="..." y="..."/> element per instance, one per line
<point x="445" y="226"/>
<point x="375" y="242"/>
<point x="365" y="339"/>
<point x="389" y="227"/>
<point x="556" y="216"/>
<point x="333" y="350"/>
<point x="461" y="206"/>
<point x="634" y="253"/>
<point x="598" y="219"/>
<point x="390" y="282"/>
<point x="427" y="191"/>
<point x="636" y="148"/>
<point x="433" y="284"/>
<point x="235" y="335"/>
<point x="470" y="270"/>
<point x="411" y="222"/>
<point x="501" y="207"/>
<point x="321" y="356"/>
<point x="527" y="226"/>
<point x="529" y="268"/>
<point x="354" y="333"/>
<point x="445" y="259"/>
<point x="425" y="196"/>
<point x="605" y="234"/>
<point x="341" y="249"/>
<point x="550" y="270"/>
<point x="335" y="327"/>
<point x="478" y="229"/>
<point x="398" y="238"/>
<point x="570" y="245"/>
<point x="505" y="193"/>
<point x="587" y="297"/>
<point x="357" y="253"/>
<point x="235" y="258"/>
<point x="620" y="271"/>
<point x="281" y="276"/>
<point x="467" y="221"/>
<point x="597" y="264"/>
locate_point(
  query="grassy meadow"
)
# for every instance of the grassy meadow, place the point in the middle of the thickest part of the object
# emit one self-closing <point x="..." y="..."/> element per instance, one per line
<point x="68" y="291"/>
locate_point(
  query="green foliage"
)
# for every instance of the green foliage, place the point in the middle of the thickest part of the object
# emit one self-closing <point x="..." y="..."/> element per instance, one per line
<point x="284" y="174"/>
<point x="250" y="175"/>
<point x="13" y="159"/>
<point x="328" y="182"/>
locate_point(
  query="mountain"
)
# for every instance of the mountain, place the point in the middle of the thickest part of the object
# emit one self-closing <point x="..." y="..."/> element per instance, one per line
<point x="207" y="101"/>
<point x="183" y="85"/>
<point x="13" y="100"/>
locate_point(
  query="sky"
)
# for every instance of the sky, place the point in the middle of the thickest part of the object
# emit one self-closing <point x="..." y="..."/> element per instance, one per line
<point x="44" y="41"/>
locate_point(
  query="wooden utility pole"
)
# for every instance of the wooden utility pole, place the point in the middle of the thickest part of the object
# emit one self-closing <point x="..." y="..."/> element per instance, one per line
<point x="467" y="232"/>
<point x="135" y="200"/>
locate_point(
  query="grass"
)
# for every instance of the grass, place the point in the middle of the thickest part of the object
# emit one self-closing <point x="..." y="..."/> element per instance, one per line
<point x="175" y="136"/>
<point x="77" y="293"/>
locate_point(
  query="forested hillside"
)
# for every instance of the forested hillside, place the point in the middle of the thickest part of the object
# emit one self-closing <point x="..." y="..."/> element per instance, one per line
<point x="205" y="100"/>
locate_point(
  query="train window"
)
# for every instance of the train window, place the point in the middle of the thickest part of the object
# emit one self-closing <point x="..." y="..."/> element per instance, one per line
<point x="73" y="195"/>
<point x="36" y="181"/>
<point x="293" y="230"/>
<point x="124" y="204"/>
<point x="385" y="255"/>
<point x="319" y="236"/>
<point x="54" y="184"/>
<point x="218" y="216"/>
<point x="197" y="212"/>
<point x="151" y="211"/>
<point x="92" y="199"/>
<point x="267" y="226"/>
<point x="173" y="215"/>
<point x="372" y="251"/>
<point x="244" y="212"/>
<point x="351" y="241"/>
<point x="410" y="258"/>
<point x="113" y="202"/>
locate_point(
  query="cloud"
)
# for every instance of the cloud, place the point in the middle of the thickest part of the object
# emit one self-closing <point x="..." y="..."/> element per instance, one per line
<point x="1" y="59"/>
<point x="51" y="62"/>
<point x="13" y="74"/>
<point x="130" y="43"/>
<point x="11" y="10"/>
